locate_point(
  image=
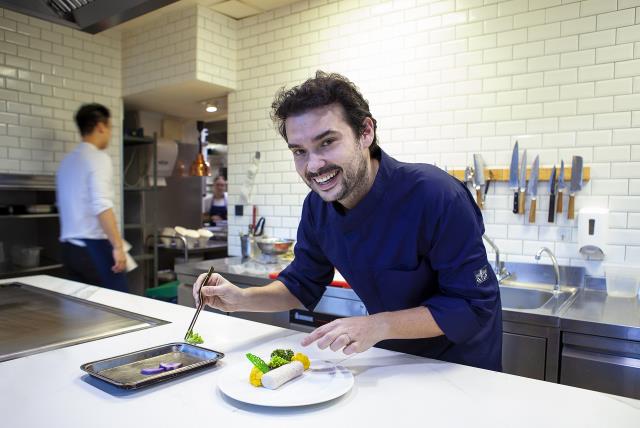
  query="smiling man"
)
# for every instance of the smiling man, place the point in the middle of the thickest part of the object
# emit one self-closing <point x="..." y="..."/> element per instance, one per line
<point x="406" y="237"/>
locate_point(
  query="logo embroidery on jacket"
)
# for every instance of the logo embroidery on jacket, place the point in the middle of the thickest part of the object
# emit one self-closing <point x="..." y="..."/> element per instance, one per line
<point x="481" y="275"/>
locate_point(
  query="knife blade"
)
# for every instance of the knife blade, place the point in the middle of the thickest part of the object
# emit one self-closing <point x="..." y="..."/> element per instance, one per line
<point x="478" y="179"/>
<point x="513" y="177"/>
<point x="576" y="184"/>
<point x="552" y="195"/>
<point x="522" y="182"/>
<point x="561" y="186"/>
<point x="532" y="189"/>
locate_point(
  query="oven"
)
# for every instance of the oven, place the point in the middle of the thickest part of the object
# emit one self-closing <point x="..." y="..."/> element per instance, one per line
<point x="336" y="302"/>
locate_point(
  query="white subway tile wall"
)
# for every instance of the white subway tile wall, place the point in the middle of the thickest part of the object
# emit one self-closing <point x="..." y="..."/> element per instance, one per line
<point x="192" y="43"/>
<point x="446" y="79"/>
<point x="46" y="72"/>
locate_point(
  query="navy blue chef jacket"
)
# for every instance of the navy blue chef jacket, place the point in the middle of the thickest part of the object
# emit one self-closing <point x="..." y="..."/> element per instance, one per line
<point x="414" y="240"/>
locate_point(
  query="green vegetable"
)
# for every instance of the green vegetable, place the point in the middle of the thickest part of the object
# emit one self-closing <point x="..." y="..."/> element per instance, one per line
<point x="277" y="361"/>
<point x="258" y="362"/>
<point x="286" y="354"/>
<point x="194" y="338"/>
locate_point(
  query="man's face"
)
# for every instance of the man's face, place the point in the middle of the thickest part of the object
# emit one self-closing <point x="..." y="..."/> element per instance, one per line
<point x="328" y="156"/>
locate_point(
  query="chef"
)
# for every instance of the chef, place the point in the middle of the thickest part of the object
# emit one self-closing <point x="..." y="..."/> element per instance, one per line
<point x="92" y="248"/>
<point x="406" y="237"/>
<point x="218" y="206"/>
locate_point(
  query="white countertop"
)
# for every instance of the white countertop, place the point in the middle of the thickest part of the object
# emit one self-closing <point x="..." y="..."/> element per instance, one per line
<point x="49" y="389"/>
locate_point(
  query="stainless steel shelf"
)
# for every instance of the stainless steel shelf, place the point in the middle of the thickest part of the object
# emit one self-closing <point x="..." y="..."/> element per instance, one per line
<point x="12" y="270"/>
<point x="48" y="215"/>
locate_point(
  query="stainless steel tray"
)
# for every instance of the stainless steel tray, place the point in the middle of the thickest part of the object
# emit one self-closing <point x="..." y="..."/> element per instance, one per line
<point x="123" y="371"/>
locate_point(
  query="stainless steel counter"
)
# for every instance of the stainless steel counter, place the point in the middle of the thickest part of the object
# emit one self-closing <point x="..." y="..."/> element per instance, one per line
<point x="595" y="312"/>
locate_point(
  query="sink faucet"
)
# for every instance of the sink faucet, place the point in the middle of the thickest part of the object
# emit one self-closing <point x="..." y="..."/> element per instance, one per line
<point x="556" y="268"/>
<point x="501" y="270"/>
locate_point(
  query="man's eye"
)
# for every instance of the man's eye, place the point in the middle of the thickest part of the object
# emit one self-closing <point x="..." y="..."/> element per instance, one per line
<point x="327" y="142"/>
<point x="297" y="152"/>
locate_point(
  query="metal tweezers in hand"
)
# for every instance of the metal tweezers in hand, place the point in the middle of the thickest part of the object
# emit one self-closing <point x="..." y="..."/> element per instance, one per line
<point x="200" y="304"/>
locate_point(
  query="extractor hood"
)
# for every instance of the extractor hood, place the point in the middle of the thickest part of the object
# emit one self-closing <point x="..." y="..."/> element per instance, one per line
<point x="90" y="16"/>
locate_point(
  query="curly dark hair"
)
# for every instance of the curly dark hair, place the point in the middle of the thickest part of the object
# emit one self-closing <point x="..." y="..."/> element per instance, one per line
<point x="89" y="115"/>
<point x="322" y="90"/>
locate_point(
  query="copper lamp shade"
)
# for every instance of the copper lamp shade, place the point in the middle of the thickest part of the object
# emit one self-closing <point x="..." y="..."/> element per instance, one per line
<point x="199" y="167"/>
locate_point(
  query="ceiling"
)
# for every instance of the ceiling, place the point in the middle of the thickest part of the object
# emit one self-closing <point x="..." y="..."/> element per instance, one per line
<point x="181" y="100"/>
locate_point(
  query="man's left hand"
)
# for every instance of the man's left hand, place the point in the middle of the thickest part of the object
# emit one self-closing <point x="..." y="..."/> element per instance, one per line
<point x="355" y="334"/>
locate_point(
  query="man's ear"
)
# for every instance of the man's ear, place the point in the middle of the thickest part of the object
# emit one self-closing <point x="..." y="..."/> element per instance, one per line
<point x="368" y="133"/>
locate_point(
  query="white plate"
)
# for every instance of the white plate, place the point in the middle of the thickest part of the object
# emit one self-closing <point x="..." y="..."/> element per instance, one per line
<point x="323" y="381"/>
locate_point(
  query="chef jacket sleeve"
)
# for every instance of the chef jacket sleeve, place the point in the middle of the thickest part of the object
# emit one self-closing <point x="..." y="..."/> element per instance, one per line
<point x="100" y="185"/>
<point x="310" y="271"/>
<point x="468" y="288"/>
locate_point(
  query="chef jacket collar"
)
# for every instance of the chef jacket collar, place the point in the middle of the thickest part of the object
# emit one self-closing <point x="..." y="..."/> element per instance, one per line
<point x="350" y="219"/>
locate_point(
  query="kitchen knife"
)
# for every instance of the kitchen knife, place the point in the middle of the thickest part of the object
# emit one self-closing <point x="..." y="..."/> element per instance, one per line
<point x="513" y="177"/>
<point x="522" y="182"/>
<point x="478" y="179"/>
<point x="552" y="195"/>
<point x="576" y="184"/>
<point x="561" y="186"/>
<point x="532" y="189"/>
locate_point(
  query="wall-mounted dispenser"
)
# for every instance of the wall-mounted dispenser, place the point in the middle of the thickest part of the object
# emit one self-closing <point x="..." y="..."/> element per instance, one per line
<point x="593" y="231"/>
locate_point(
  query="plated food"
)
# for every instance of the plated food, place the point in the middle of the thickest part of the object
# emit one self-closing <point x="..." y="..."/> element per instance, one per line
<point x="283" y="367"/>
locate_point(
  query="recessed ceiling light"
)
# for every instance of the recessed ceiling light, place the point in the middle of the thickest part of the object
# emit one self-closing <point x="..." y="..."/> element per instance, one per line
<point x="211" y="108"/>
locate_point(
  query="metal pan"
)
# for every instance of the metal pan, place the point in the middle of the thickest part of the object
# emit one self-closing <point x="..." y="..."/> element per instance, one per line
<point x="123" y="371"/>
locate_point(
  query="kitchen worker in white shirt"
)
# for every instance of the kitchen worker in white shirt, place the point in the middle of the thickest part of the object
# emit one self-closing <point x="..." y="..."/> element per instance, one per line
<point x="92" y="248"/>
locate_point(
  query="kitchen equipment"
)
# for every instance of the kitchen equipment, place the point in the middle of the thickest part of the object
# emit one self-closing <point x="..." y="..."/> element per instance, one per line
<point x="258" y="229"/>
<point x="468" y="175"/>
<point x="274" y="246"/>
<point x="34" y="320"/>
<point x="27" y="257"/>
<point x="200" y="303"/>
<point x="204" y="236"/>
<point x="593" y="231"/>
<point x="246" y="245"/>
<point x="561" y="186"/>
<point x="622" y="280"/>
<point x="532" y="189"/>
<point x="513" y="177"/>
<point x="552" y="195"/>
<point x="478" y="179"/>
<point x="123" y="371"/>
<point x="522" y="182"/>
<point x="576" y="184"/>
<point x="324" y="381"/>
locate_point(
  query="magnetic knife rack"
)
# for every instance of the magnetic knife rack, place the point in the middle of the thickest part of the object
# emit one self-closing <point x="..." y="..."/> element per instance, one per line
<point x="502" y="174"/>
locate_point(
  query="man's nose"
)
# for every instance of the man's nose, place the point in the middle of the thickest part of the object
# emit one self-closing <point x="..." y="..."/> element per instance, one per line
<point x="315" y="163"/>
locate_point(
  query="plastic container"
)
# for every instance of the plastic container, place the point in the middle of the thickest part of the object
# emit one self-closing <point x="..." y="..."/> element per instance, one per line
<point x="167" y="292"/>
<point x="27" y="257"/>
<point x="622" y="280"/>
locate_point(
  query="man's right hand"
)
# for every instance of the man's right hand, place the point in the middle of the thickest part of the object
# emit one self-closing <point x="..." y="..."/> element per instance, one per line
<point x="120" y="259"/>
<point x="219" y="293"/>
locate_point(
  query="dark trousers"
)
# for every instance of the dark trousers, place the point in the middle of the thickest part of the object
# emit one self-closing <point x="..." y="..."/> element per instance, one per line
<point x="92" y="264"/>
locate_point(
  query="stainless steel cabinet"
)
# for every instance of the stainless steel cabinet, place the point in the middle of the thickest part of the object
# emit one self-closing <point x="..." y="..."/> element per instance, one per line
<point x="601" y="364"/>
<point x="524" y="355"/>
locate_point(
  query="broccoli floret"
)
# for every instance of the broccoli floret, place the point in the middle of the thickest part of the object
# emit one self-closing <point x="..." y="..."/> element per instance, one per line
<point x="285" y="354"/>
<point x="276" y="362"/>
<point x="194" y="338"/>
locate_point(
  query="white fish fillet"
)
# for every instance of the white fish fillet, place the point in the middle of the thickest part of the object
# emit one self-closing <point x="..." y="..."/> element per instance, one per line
<point x="273" y="379"/>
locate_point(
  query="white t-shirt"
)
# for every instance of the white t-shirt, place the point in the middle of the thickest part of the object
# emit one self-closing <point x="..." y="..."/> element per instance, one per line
<point x="84" y="189"/>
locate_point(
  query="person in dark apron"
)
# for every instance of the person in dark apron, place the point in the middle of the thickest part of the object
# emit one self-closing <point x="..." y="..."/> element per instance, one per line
<point x="218" y="208"/>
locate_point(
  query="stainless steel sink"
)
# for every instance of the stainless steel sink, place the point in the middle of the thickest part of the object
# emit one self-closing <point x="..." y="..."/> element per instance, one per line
<point x="527" y="297"/>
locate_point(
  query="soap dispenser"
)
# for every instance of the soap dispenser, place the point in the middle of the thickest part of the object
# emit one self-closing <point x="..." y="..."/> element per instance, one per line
<point x="593" y="230"/>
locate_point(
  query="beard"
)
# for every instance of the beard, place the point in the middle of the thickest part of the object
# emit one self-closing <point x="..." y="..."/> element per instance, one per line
<point x="353" y="180"/>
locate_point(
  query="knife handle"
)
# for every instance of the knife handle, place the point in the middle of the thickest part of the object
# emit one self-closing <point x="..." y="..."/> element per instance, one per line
<point x="571" y="210"/>
<point x="532" y="211"/>
<point x="479" y="196"/>
<point x="559" y="204"/>
<point x="552" y="207"/>
<point x="515" y="202"/>
<point x="521" y="200"/>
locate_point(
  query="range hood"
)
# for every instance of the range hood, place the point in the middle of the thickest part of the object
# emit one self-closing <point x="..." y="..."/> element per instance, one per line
<point x="90" y="16"/>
